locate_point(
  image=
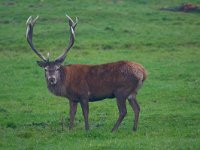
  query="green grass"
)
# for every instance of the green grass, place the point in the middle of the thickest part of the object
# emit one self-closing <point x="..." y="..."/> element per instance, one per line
<point x="166" y="43"/>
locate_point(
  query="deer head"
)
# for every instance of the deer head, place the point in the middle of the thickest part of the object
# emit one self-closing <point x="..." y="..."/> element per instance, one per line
<point x="52" y="68"/>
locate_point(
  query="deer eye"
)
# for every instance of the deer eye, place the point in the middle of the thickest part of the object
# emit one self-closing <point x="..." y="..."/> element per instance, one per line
<point x="57" y="68"/>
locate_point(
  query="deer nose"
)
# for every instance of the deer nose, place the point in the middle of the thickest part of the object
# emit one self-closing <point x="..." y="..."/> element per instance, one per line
<point x="52" y="80"/>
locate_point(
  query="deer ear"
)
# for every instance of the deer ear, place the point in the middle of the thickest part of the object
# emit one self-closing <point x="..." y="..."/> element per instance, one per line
<point x="41" y="64"/>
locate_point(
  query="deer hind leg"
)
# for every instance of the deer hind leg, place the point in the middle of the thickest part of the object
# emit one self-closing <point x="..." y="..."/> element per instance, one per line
<point x="136" y="108"/>
<point x="121" y="103"/>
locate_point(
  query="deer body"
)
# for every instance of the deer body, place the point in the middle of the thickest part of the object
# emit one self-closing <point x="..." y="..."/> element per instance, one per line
<point x="97" y="82"/>
<point x="87" y="83"/>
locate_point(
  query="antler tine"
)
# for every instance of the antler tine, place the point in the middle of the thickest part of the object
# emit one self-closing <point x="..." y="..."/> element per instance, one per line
<point x="72" y="25"/>
<point x="29" y="35"/>
<point x="71" y="22"/>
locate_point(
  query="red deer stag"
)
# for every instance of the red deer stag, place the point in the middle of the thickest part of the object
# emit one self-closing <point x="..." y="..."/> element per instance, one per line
<point x="88" y="83"/>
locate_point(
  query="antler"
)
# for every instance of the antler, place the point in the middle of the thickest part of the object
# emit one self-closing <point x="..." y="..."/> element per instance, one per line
<point x="29" y="33"/>
<point x="72" y="25"/>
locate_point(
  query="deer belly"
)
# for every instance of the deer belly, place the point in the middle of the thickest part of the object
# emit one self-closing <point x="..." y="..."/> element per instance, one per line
<point x="94" y="98"/>
<point x="100" y="94"/>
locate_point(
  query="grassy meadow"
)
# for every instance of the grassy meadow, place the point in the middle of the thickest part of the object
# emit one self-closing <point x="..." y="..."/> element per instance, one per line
<point x="166" y="43"/>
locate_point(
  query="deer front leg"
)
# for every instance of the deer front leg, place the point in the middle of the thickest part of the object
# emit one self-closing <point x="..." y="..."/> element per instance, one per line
<point x="85" y="110"/>
<point x="73" y="108"/>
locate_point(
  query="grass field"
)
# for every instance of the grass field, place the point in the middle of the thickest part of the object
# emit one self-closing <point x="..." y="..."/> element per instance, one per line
<point x="166" y="43"/>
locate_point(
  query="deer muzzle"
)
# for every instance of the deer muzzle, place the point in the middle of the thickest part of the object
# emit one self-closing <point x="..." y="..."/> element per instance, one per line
<point x="52" y="80"/>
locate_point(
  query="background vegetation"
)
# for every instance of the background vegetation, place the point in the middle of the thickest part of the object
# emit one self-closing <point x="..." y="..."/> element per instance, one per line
<point x="166" y="43"/>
